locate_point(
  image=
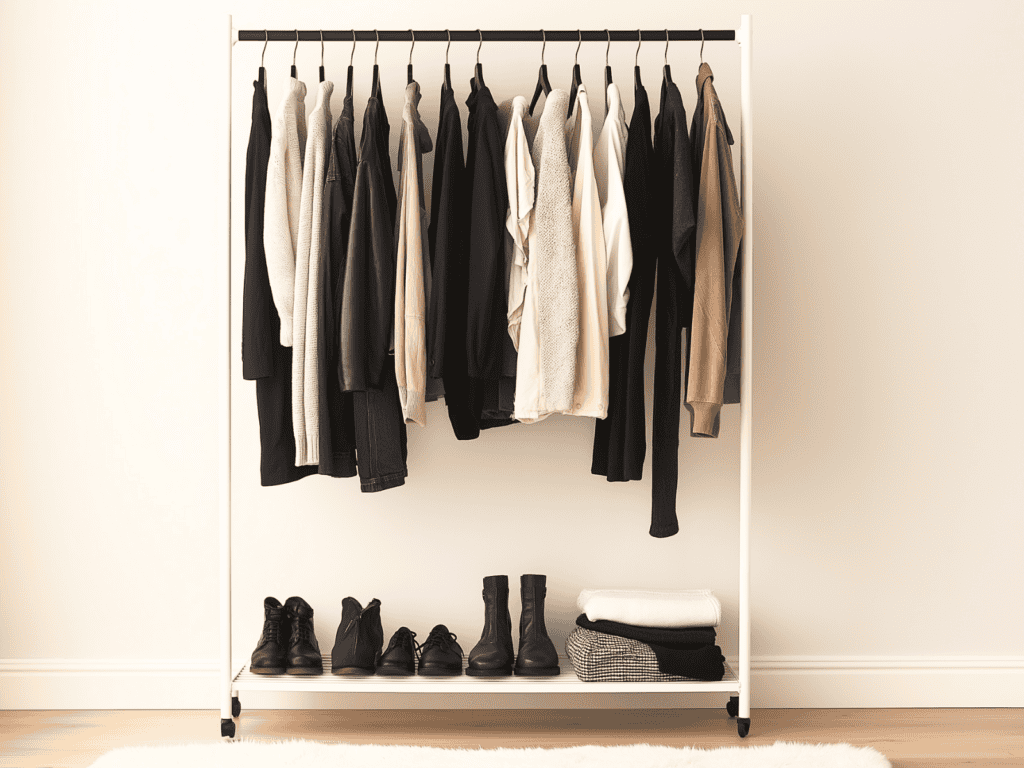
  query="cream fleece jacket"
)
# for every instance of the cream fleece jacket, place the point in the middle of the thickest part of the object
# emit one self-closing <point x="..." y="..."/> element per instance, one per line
<point x="590" y="390"/>
<point x="305" y="321"/>
<point x="546" y="368"/>
<point x="281" y="207"/>
<point x="412" y="283"/>
<point x="609" y="162"/>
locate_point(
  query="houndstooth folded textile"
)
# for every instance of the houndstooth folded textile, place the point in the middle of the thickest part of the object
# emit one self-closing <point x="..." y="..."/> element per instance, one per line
<point x="599" y="657"/>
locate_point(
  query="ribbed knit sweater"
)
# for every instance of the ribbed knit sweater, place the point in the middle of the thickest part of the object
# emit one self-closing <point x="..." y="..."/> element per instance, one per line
<point x="308" y="257"/>
<point x="281" y="208"/>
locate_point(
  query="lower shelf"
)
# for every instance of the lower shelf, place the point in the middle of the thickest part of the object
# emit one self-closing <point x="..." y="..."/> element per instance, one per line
<point x="567" y="682"/>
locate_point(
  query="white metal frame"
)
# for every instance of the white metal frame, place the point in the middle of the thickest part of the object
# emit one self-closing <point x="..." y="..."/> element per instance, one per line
<point x="237" y="678"/>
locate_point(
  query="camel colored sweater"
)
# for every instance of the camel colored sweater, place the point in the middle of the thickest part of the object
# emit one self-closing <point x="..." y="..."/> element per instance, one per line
<point x="281" y="208"/>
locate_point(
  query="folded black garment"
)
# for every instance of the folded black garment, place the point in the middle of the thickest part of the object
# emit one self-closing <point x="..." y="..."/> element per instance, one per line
<point x="688" y="635"/>
<point x="706" y="663"/>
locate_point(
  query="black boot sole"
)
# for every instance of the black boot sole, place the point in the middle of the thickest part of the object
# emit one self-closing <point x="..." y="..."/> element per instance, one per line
<point x="440" y="671"/>
<point x="501" y="672"/>
<point x="305" y="671"/>
<point x="353" y="672"/>
<point x="395" y="672"/>
<point x="267" y="670"/>
<point x="539" y="672"/>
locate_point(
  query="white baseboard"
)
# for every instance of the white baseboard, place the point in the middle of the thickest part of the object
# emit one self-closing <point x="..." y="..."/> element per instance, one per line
<point x="777" y="681"/>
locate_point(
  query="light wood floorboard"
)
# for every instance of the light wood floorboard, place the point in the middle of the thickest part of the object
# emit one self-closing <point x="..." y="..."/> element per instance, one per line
<point x="910" y="738"/>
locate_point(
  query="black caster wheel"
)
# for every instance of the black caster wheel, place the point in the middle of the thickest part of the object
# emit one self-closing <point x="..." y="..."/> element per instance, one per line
<point x="733" y="707"/>
<point x="227" y="728"/>
<point x="236" y="706"/>
<point x="743" y="726"/>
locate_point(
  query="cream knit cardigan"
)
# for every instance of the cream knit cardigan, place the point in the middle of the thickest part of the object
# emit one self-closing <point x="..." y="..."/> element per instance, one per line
<point x="305" y="368"/>
<point x="281" y="207"/>
<point x="546" y="368"/>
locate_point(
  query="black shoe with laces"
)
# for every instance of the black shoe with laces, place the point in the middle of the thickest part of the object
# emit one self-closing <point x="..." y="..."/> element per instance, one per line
<point x="271" y="654"/>
<point x="440" y="655"/>
<point x="303" y="650"/>
<point x="399" y="660"/>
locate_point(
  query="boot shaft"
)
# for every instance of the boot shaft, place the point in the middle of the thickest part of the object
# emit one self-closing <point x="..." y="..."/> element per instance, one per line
<point x="532" y="591"/>
<point x="497" y="619"/>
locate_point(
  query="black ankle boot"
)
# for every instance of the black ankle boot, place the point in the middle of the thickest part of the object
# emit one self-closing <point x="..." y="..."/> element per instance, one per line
<point x="399" y="660"/>
<point x="494" y="655"/>
<point x="537" y="656"/>
<point x="440" y="655"/>
<point x="303" y="650"/>
<point x="359" y="640"/>
<point x="271" y="654"/>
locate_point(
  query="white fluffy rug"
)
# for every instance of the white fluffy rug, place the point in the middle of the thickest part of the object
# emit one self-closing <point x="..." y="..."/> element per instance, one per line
<point x="312" y="754"/>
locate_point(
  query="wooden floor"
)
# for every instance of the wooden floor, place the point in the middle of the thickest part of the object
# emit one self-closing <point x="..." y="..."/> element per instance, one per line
<point x="932" y="738"/>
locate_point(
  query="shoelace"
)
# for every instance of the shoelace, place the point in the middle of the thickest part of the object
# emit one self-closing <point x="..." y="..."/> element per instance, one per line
<point x="401" y="635"/>
<point x="438" y="636"/>
<point x="272" y="630"/>
<point x="301" y="630"/>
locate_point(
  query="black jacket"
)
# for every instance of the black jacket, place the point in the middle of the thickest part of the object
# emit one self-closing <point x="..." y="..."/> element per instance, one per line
<point x="368" y="293"/>
<point x="447" y="238"/>
<point x="263" y="357"/>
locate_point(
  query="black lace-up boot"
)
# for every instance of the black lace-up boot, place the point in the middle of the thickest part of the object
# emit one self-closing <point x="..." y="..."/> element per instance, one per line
<point x="537" y="656"/>
<point x="359" y="639"/>
<point x="440" y="655"/>
<point x="494" y="655"/>
<point x="399" y="660"/>
<point x="303" y="650"/>
<point x="271" y="654"/>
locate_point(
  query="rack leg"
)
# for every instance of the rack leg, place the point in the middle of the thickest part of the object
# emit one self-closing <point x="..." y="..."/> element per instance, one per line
<point x="743" y="726"/>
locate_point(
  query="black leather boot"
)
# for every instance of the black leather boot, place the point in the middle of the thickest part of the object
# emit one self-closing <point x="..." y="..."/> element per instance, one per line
<point x="360" y="637"/>
<point x="494" y="655"/>
<point x="303" y="650"/>
<point x="399" y="660"/>
<point x="440" y="655"/>
<point x="537" y="656"/>
<point x="271" y="654"/>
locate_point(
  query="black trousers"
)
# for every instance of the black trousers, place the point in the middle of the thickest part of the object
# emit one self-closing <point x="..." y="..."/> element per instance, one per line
<point x="381" y="440"/>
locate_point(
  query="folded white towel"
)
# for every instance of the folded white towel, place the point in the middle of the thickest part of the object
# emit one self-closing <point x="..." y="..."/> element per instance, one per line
<point x="687" y="608"/>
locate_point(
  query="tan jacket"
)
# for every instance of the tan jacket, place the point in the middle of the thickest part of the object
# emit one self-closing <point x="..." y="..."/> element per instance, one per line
<point x="718" y="237"/>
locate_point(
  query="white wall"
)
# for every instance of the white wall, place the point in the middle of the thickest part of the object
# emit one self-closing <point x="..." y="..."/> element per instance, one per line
<point x="887" y="488"/>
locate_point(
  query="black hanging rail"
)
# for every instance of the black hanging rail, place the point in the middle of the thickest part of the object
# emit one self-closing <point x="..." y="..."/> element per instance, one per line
<point x="488" y="35"/>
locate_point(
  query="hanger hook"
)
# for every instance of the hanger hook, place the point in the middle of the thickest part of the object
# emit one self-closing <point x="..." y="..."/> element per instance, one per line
<point x="702" y="46"/>
<point x="544" y="44"/>
<point x="576" y="58"/>
<point x="449" y="45"/>
<point x="666" y="47"/>
<point x="296" y="47"/>
<point x="608" y="47"/>
<point x="479" y="46"/>
<point x="321" y="47"/>
<point x="376" y="47"/>
<point x="264" y="46"/>
<point x="411" y="32"/>
<point x="636" y="57"/>
<point x="353" y="54"/>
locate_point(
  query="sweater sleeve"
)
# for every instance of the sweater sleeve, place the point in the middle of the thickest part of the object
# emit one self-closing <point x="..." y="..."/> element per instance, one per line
<point x="277" y="238"/>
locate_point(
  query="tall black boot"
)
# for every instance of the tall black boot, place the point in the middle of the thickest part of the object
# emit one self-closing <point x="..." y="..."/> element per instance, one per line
<point x="493" y="655"/>
<point x="359" y="640"/>
<point x="537" y="656"/>
<point x="303" y="650"/>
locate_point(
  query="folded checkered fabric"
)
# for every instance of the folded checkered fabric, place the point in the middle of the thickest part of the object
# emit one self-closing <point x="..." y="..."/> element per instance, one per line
<point x="599" y="657"/>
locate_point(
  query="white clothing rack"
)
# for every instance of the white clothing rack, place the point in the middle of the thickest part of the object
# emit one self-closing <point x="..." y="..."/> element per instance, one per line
<point x="236" y="678"/>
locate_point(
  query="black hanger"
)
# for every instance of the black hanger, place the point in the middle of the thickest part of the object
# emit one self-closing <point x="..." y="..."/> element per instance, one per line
<point x="637" y="84"/>
<point x="607" y="70"/>
<point x="543" y="84"/>
<point x="447" y="85"/>
<point x="410" y="53"/>
<point x="321" y="55"/>
<point x="478" y="72"/>
<point x="375" y="86"/>
<point x="348" y="79"/>
<point x="577" y="79"/>
<point x="263" y="72"/>
<point x="295" y="72"/>
<point x="668" y="71"/>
